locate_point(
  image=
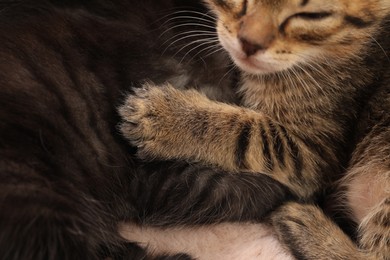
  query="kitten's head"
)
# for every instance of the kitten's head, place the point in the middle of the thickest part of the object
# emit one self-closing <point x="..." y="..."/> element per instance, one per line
<point x="267" y="36"/>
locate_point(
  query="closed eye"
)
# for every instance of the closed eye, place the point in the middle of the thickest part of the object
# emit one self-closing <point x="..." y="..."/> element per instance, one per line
<point x="312" y="16"/>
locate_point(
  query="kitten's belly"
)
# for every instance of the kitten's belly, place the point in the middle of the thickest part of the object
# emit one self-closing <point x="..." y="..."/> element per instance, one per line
<point x="222" y="241"/>
<point x="367" y="187"/>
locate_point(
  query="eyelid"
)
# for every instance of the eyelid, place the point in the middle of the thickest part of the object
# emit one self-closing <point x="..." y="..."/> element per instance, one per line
<point x="306" y="16"/>
<point x="312" y="15"/>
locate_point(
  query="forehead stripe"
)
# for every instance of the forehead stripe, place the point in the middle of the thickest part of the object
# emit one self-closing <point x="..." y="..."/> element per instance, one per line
<point x="223" y="4"/>
<point x="304" y="2"/>
<point x="243" y="9"/>
<point x="356" y="21"/>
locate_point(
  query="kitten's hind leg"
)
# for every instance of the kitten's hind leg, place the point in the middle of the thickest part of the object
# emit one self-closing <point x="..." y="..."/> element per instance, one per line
<point x="368" y="197"/>
<point x="309" y="234"/>
<point x="367" y="190"/>
<point x="374" y="231"/>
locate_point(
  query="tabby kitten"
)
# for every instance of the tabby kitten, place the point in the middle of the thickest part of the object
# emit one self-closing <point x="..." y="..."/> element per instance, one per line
<point x="315" y="93"/>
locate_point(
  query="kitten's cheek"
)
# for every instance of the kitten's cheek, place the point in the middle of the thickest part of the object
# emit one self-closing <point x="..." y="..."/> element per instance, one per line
<point x="232" y="46"/>
<point x="248" y="66"/>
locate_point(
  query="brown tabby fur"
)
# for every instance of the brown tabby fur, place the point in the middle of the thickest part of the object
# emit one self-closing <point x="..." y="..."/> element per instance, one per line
<point x="315" y="99"/>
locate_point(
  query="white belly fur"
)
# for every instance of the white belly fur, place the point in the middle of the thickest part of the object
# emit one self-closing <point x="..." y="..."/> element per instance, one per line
<point x="227" y="241"/>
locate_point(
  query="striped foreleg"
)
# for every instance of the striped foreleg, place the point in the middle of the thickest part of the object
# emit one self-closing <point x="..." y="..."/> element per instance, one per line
<point x="166" y="123"/>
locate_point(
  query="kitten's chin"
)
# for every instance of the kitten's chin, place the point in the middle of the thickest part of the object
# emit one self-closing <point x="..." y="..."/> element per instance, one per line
<point x="256" y="67"/>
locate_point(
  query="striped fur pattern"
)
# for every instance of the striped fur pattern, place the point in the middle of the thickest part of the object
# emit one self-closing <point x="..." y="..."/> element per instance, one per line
<point x="67" y="175"/>
<point x="315" y="93"/>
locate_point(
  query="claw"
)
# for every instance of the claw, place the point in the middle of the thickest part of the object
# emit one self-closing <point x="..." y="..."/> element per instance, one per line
<point x="133" y="123"/>
<point x="143" y="90"/>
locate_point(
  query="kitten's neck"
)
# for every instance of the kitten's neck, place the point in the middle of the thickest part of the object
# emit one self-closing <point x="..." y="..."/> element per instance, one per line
<point x="318" y="89"/>
<point x="309" y="80"/>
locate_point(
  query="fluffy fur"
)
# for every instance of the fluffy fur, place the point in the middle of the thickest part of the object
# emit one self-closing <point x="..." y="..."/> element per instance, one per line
<point x="228" y="241"/>
<point x="314" y="85"/>
<point x="67" y="175"/>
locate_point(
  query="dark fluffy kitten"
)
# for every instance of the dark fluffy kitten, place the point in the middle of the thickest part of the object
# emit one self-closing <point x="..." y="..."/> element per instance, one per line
<point x="67" y="176"/>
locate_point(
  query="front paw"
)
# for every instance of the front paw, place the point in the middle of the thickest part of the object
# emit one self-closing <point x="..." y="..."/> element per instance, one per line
<point x="149" y="118"/>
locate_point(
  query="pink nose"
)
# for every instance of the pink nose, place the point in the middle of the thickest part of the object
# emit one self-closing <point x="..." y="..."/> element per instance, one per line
<point x="248" y="47"/>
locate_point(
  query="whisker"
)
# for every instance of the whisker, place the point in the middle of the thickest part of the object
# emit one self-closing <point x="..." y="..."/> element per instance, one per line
<point x="187" y="24"/>
<point x="317" y="69"/>
<point x="380" y="46"/>
<point x="203" y="14"/>
<point x="303" y="83"/>
<point x="183" y="38"/>
<point x="200" y="45"/>
<point x="194" y="32"/>
<point x="195" y="18"/>
<point x="310" y="76"/>
<point x="233" y="66"/>
<point x="193" y="21"/>
<point x="212" y="47"/>
<point x="209" y="54"/>
<point x="207" y="14"/>
<point x="288" y="78"/>
<point x="190" y="17"/>
<point x="168" y="13"/>
<point x="205" y="41"/>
